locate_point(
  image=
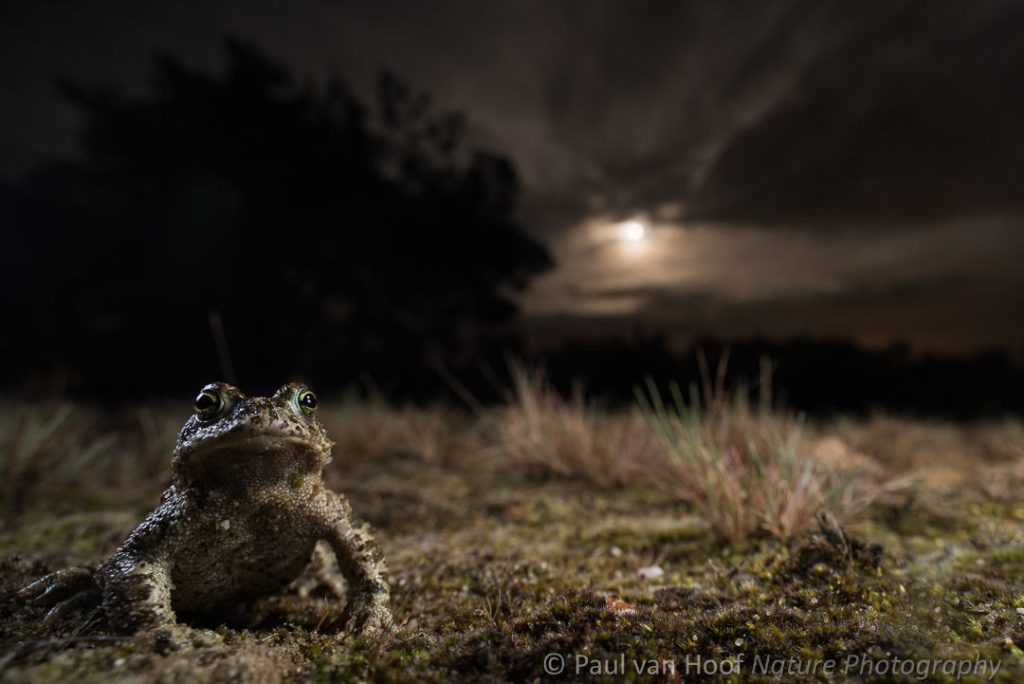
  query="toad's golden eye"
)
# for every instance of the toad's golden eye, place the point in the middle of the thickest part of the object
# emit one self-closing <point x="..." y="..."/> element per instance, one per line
<point x="307" y="401"/>
<point x="208" y="404"/>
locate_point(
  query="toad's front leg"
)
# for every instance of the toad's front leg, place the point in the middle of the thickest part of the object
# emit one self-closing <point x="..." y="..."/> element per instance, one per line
<point x="136" y="592"/>
<point x="360" y="561"/>
<point x="137" y="598"/>
<point x="136" y="580"/>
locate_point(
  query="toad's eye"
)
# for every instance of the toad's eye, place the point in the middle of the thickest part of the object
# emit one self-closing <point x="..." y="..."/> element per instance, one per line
<point x="208" y="404"/>
<point x="307" y="401"/>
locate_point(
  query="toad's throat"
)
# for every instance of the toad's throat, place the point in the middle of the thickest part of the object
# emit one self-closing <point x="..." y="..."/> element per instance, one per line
<point x="245" y="460"/>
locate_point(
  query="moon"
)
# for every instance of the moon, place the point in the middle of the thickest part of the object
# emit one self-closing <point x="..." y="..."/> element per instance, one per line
<point x="633" y="231"/>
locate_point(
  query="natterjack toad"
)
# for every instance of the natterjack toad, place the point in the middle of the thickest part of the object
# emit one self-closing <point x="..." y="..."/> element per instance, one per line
<point x="246" y="507"/>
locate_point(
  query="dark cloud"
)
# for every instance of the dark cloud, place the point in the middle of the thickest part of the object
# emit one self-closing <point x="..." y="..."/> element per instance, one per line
<point x="754" y="111"/>
<point x="911" y="117"/>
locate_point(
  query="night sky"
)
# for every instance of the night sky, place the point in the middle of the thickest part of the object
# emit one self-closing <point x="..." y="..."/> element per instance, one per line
<point x="837" y="170"/>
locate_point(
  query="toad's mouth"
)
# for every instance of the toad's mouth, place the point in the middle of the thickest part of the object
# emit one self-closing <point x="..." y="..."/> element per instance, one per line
<point x="250" y="446"/>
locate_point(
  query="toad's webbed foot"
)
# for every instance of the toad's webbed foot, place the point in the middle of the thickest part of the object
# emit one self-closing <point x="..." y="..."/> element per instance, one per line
<point x="65" y="591"/>
<point x="368" y="613"/>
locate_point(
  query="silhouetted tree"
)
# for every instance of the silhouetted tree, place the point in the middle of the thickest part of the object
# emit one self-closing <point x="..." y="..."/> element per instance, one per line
<point x="332" y="238"/>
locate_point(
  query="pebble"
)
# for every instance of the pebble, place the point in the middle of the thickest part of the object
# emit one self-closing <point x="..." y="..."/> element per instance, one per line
<point x="651" y="572"/>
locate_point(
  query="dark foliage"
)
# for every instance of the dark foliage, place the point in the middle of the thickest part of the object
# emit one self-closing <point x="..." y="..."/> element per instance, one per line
<point x="310" y="235"/>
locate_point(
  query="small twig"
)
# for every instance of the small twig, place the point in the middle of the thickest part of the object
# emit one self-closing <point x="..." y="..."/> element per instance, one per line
<point x="705" y="375"/>
<point x="324" y="613"/>
<point x="765" y="384"/>
<point x="223" y="351"/>
<point x="723" y="367"/>
<point x="457" y="388"/>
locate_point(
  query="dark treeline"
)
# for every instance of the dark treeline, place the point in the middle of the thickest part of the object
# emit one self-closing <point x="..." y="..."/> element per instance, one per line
<point x="817" y="377"/>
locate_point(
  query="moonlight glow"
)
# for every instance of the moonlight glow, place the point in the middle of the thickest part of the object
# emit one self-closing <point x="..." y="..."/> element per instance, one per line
<point x="632" y="231"/>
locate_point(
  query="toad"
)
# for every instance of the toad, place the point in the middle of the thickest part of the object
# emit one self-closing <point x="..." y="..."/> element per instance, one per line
<point x="246" y="506"/>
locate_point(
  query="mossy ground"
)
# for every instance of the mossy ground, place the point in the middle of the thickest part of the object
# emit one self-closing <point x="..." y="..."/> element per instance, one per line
<point x="493" y="569"/>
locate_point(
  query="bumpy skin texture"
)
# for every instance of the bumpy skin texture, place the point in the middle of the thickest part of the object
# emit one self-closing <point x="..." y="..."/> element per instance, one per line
<point x="241" y="519"/>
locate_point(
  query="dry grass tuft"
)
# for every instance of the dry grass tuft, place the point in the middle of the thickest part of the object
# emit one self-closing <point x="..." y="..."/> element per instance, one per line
<point x="539" y="431"/>
<point x="370" y="428"/>
<point x="43" y="449"/>
<point x="748" y="471"/>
